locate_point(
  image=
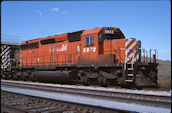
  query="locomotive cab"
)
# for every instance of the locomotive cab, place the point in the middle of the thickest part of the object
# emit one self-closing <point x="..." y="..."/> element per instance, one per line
<point x="108" y="34"/>
<point x="102" y="43"/>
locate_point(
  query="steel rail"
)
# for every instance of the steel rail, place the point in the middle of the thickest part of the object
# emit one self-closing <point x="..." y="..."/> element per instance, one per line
<point x="151" y="100"/>
<point x="51" y="102"/>
<point x="74" y="87"/>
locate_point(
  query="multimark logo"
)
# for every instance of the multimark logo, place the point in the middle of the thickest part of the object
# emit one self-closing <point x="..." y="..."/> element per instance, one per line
<point x="58" y="48"/>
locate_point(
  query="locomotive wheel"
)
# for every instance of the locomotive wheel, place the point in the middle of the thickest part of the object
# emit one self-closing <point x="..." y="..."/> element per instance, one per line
<point x="23" y="76"/>
<point x="14" y="74"/>
<point x="31" y="77"/>
<point x="18" y="76"/>
<point x="105" y="83"/>
<point x="86" y="84"/>
<point x="7" y="77"/>
<point x="2" y="75"/>
<point x="100" y="80"/>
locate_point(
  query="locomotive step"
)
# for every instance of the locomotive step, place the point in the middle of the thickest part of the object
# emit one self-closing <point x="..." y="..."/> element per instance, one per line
<point x="128" y="80"/>
<point x="130" y="74"/>
<point x="130" y="68"/>
<point x="130" y="63"/>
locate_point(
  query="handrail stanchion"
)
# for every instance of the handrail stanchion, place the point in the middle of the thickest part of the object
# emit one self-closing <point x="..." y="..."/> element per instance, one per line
<point x="150" y="55"/>
<point x="146" y="55"/>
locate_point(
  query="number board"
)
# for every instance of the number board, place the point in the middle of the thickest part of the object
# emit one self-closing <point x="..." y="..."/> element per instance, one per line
<point x="109" y="32"/>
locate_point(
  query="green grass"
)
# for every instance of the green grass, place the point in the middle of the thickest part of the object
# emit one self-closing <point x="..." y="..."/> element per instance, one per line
<point x="164" y="73"/>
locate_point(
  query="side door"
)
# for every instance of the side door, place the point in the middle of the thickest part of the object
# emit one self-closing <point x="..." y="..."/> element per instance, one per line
<point x="100" y="44"/>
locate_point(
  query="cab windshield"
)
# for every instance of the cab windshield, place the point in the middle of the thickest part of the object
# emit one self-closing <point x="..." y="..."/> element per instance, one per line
<point x="112" y="36"/>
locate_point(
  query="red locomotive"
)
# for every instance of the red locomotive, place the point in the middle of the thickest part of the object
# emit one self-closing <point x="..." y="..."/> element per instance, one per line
<point x="96" y="56"/>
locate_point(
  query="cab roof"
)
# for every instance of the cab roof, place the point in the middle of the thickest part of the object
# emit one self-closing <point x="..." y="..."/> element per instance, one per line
<point x="64" y="36"/>
<point x="92" y="31"/>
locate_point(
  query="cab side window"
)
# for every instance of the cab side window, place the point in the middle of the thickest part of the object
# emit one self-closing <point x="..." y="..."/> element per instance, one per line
<point x="100" y="37"/>
<point x="89" y="41"/>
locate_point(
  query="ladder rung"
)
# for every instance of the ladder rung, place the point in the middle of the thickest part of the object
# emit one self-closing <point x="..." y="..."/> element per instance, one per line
<point x="129" y="80"/>
<point x="130" y="68"/>
<point x="129" y="63"/>
<point x="130" y="74"/>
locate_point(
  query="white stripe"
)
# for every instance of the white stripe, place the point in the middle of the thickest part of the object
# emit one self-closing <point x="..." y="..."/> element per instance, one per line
<point x="7" y="57"/>
<point x="130" y="56"/>
<point x="131" y="46"/>
<point x="3" y="67"/>
<point x="126" y="44"/>
<point x="128" y="41"/>
<point x="136" y="58"/>
<point x="7" y="63"/>
<point x="6" y="60"/>
<point x="5" y="54"/>
<point x="5" y="51"/>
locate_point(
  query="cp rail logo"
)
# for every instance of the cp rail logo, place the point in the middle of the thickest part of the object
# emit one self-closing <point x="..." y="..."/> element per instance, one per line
<point x="58" y="48"/>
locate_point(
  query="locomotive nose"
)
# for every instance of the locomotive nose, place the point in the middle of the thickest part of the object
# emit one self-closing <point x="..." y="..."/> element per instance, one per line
<point x="132" y="51"/>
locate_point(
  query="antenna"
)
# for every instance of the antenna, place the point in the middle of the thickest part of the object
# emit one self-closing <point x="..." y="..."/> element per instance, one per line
<point x="40" y="21"/>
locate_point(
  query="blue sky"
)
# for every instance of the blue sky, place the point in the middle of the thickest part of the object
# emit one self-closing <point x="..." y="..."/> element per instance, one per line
<point x="148" y="21"/>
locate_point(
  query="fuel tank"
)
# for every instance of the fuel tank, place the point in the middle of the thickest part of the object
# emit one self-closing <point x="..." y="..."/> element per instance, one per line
<point x="55" y="76"/>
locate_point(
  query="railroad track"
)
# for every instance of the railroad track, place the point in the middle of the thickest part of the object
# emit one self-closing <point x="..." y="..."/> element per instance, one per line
<point x="106" y="99"/>
<point x="16" y="103"/>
